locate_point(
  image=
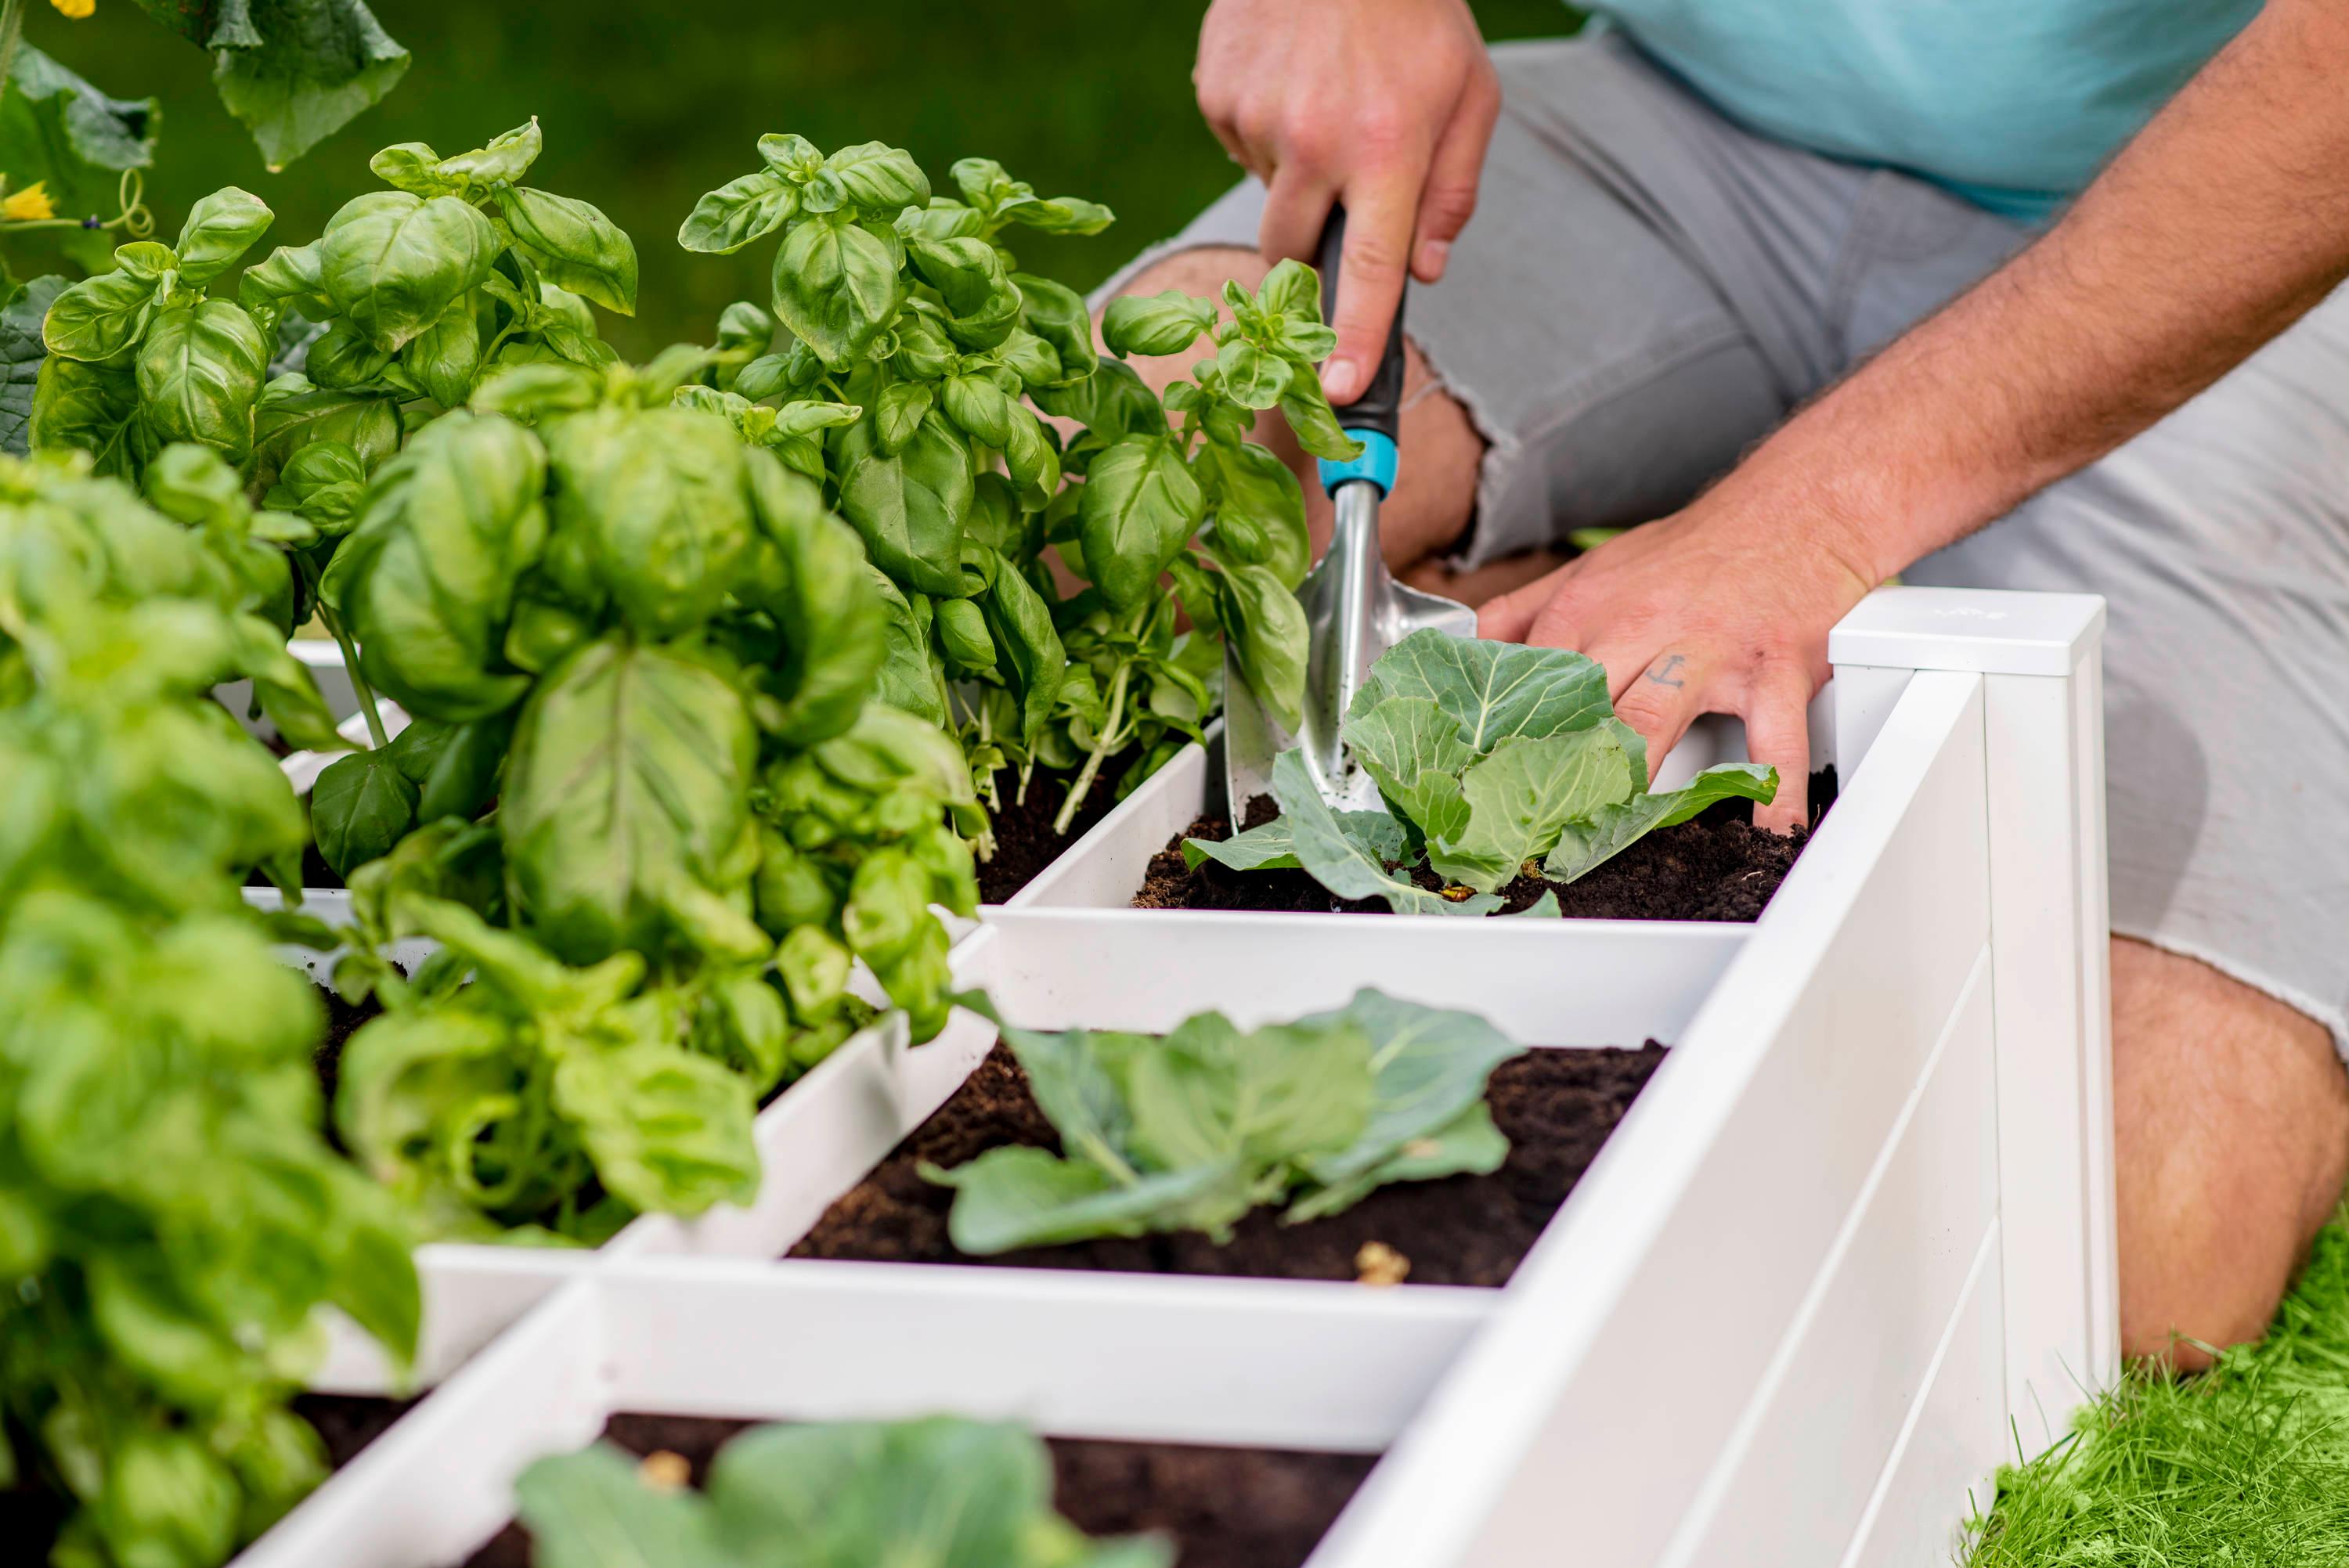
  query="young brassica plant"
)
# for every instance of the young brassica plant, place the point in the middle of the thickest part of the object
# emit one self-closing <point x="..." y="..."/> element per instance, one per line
<point x="1193" y="1129"/>
<point x="1495" y="760"/>
<point x="942" y="1492"/>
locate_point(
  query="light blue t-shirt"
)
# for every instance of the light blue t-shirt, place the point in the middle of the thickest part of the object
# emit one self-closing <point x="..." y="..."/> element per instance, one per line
<point x="2014" y="104"/>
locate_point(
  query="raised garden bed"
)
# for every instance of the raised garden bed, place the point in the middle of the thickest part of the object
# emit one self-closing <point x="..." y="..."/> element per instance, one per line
<point x="1850" y="1244"/>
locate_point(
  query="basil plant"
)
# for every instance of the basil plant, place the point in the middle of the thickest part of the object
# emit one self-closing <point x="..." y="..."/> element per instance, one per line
<point x="1494" y="761"/>
<point x="648" y="646"/>
<point x="905" y="366"/>
<point x="171" y="1216"/>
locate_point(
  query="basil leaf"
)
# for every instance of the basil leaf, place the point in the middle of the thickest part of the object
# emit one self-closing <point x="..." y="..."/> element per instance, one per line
<point x="1307" y="411"/>
<point x="1140" y="506"/>
<point x="876" y="176"/>
<point x="361" y="806"/>
<point x="100" y="319"/>
<point x="668" y="1130"/>
<point x="221" y="227"/>
<point x="836" y="287"/>
<point x="1058" y="317"/>
<point x="1030" y="655"/>
<point x="199" y="373"/>
<point x="1582" y="847"/>
<point x="394" y="263"/>
<point x="1156" y="324"/>
<point x="830" y="617"/>
<point x="1246" y="482"/>
<point x="1252" y="377"/>
<point x="625" y="792"/>
<point x="1265" y="628"/>
<point x="94" y="408"/>
<point x="292" y="414"/>
<point x="910" y="505"/>
<point x="413" y="167"/>
<point x="909" y="679"/>
<point x="737" y="213"/>
<point x="575" y="245"/>
<point x="444" y="358"/>
<point x="505" y="160"/>
<point x="660" y="502"/>
<point x="982" y="303"/>
<point x="427" y="580"/>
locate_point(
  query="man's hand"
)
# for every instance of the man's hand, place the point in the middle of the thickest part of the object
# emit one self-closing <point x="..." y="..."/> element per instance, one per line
<point x="1721" y="608"/>
<point x="1383" y="105"/>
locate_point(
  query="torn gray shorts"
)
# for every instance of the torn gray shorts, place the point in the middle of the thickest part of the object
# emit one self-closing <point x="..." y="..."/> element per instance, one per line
<point x="1647" y="290"/>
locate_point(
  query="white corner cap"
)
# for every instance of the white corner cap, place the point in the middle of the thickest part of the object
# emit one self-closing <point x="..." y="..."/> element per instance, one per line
<point x="1980" y="630"/>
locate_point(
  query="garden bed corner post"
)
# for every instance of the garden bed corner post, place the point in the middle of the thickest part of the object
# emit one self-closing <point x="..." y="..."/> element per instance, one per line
<point x="2040" y="659"/>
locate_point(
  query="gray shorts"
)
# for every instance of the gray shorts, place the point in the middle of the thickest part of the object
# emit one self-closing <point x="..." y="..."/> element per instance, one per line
<point x="1647" y="290"/>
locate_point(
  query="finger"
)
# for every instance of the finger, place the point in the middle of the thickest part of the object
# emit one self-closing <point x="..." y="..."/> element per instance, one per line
<point x="1450" y="198"/>
<point x="1660" y="697"/>
<point x="1779" y="732"/>
<point x="1509" y="617"/>
<point x="1297" y="203"/>
<point x="1379" y="215"/>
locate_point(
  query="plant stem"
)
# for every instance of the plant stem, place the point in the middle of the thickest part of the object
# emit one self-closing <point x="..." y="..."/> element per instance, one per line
<point x="358" y="682"/>
<point x="1115" y="716"/>
<point x="12" y="28"/>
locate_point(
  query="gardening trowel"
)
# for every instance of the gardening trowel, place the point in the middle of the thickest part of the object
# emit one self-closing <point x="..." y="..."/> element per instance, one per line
<point x="1354" y="611"/>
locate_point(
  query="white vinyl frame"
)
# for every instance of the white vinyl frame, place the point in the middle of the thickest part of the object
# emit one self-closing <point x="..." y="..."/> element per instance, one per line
<point x="1853" y="1243"/>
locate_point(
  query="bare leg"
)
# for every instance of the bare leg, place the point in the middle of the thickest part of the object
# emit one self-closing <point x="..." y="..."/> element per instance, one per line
<point x="2233" y="1143"/>
<point x="1436" y="487"/>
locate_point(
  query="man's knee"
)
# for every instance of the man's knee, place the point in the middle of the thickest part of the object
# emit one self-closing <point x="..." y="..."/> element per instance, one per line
<point x="2232" y="1142"/>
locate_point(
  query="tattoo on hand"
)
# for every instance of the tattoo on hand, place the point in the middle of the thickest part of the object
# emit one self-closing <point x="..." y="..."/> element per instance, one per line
<point x="1666" y="671"/>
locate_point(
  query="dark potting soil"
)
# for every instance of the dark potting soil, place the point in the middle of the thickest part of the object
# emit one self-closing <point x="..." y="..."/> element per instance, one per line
<point x="1716" y="867"/>
<point x="347" y="1423"/>
<point x="1556" y="1107"/>
<point x="1025" y="842"/>
<point x="343" y="1019"/>
<point x="1224" y="1508"/>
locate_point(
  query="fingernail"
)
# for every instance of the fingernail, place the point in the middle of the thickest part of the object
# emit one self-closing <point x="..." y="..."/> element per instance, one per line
<point x="1341" y="379"/>
<point x="1432" y="257"/>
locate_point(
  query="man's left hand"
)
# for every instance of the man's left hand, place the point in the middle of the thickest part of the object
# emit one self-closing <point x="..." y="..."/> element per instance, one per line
<point x="1720" y="608"/>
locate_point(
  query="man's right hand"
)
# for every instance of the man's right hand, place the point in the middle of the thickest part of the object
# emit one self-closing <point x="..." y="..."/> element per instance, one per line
<point x="1383" y="105"/>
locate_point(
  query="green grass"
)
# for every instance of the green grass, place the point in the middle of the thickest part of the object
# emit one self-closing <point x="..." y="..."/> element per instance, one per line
<point x="646" y="107"/>
<point x="2247" y="1465"/>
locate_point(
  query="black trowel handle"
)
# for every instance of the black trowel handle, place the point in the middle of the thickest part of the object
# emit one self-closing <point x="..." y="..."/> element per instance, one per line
<point x="1380" y="408"/>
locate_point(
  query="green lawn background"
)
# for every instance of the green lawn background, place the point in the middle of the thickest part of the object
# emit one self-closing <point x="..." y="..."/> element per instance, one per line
<point x="644" y="107"/>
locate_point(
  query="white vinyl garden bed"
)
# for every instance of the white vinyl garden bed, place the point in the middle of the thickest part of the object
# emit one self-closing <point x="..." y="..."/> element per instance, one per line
<point x="1852" y="1244"/>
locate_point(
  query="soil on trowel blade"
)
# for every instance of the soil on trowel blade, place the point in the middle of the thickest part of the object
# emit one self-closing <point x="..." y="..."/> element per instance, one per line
<point x="1223" y="1508"/>
<point x="1556" y="1107"/>
<point x="1716" y="867"/>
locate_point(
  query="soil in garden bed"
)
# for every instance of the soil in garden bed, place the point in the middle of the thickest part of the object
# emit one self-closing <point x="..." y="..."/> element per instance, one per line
<point x="1224" y="1508"/>
<point x="1556" y="1107"/>
<point x="1025" y="842"/>
<point x="1716" y="867"/>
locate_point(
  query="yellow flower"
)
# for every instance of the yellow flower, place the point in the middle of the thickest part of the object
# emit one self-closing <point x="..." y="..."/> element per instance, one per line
<point x="76" y="9"/>
<point x="30" y="203"/>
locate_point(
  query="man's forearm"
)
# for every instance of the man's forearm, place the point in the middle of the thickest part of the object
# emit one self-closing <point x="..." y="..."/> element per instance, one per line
<point x="2221" y="224"/>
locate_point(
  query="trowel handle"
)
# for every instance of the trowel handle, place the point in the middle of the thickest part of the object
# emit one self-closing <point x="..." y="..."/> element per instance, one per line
<point x="1378" y="410"/>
